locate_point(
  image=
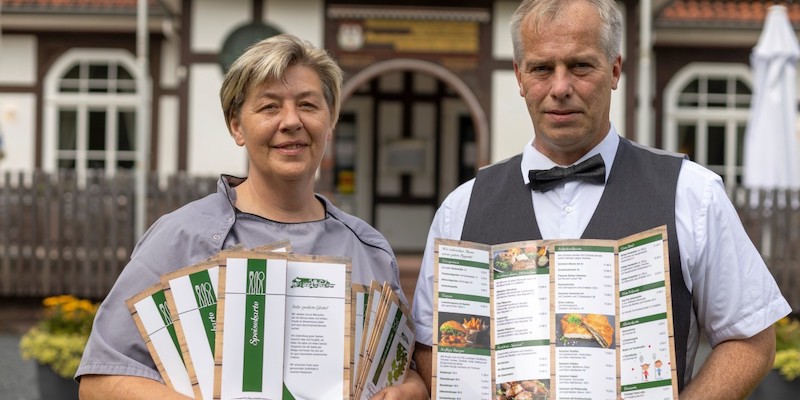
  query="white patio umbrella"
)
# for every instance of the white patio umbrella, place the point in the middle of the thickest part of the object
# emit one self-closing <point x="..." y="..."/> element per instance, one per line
<point x="771" y="145"/>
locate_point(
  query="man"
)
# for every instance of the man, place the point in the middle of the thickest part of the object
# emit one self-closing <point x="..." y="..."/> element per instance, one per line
<point x="567" y="61"/>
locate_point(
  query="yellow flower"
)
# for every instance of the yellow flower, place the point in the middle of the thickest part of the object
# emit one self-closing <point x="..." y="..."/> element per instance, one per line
<point x="59" y="338"/>
<point x="787" y="346"/>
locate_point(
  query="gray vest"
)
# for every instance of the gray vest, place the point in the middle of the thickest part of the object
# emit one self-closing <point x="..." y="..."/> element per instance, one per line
<point x="639" y="195"/>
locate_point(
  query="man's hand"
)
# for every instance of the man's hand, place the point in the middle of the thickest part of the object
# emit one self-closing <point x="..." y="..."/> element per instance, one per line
<point x="734" y="368"/>
<point x="423" y="357"/>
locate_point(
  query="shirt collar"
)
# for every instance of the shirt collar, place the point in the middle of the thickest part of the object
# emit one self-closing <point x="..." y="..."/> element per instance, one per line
<point x="533" y="159"/>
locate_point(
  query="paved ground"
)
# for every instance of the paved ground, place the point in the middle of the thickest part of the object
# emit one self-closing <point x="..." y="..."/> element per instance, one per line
<point x="17" y="376"/>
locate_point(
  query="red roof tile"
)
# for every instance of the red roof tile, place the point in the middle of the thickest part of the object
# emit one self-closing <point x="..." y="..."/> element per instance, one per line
<point x="743" y="13"/>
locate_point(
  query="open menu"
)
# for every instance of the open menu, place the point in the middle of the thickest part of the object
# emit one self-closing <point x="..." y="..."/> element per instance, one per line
<point x="564" y="319"/>
<point x="215" y="329"/>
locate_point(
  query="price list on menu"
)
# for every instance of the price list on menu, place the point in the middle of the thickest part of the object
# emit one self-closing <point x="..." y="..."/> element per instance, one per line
<point x="647" y="362"/>
<point x="521" y="316"/>
<point x="556" y="319"/>
<point x="584" y="302"/>
<point x="464" y="357"/>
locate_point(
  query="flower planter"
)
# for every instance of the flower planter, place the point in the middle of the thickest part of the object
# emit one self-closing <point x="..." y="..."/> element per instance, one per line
<point x="54" y="387"/>
<point x="774" y="387"/>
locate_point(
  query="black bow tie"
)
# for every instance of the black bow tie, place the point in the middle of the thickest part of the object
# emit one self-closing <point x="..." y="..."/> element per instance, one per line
<point x="592" y="170"/>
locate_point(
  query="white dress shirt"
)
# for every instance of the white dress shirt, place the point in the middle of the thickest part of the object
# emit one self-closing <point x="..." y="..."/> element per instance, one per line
<point x="734" y="294"/>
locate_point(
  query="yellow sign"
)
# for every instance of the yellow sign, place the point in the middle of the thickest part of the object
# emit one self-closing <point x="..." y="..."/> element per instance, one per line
<point x="412" y="36"/>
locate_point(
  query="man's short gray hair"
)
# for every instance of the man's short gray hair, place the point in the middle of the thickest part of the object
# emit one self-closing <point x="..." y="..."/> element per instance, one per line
<point x="543" y="11"/>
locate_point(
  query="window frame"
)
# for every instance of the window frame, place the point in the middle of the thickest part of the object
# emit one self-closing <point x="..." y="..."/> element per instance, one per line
<point x="84" y="102"/>
<point x="728" y="117"/>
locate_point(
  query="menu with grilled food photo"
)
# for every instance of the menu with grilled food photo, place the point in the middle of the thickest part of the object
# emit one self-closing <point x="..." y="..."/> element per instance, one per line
<point x="567" y="319"/>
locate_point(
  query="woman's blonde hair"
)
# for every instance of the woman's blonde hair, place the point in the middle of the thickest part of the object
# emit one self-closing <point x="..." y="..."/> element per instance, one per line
<point x="268" y="61"/>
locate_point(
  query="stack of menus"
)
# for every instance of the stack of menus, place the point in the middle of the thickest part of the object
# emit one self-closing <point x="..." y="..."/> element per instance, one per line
<point x="571" y="319"/>
<point x="256" y="324"/>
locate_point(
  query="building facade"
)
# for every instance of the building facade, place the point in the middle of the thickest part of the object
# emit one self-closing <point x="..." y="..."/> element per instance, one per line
<point x="429" y="95"/>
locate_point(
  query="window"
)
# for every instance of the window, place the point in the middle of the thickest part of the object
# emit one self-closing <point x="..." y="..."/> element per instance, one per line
<point x="707" y="107"/>
<point x="90" y="119"/>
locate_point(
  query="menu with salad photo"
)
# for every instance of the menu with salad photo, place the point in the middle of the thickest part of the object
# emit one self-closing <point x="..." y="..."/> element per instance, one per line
<point x="564" y="319"/>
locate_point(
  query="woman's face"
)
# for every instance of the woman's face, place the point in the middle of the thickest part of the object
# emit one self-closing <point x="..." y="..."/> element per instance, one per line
<point x="285" y="126"/>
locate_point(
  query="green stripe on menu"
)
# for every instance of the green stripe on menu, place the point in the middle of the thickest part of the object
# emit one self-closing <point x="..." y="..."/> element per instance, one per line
<point x="464" y="350"/>
<point x="647" y="385"/>
<point x="463" y="263"/>
<point x="643" y="288"/>
<point x="524" y="343"/>
<point x="640" y="242"/>
<point x="600" y="249"/>
<point x="524" y="272"/>
<point x="397" y="316"/>
<point x="160" y="301"/>
<point x="287" y="395"/>
<point x="255" y="299"/>
<point x="206" y="303"/>
<point x="467" y="297"/>
<point x="642" y="320"/>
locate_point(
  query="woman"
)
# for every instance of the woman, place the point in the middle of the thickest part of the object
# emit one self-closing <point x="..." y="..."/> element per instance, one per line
<point x="281" y="101"/>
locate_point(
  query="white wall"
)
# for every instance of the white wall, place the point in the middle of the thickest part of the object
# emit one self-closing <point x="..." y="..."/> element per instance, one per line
<point x="17" y="111"/>
<point x="170" y="52"/>
<point x="18" y="127"/>
<point x="211" y="149"/>
<point x="18" y="60"/>
<point x="213" y="20"/>
<point x="168" y="135"/>
<point x="303" y="18"/>
<point x="501" y="34"/>
<point x="511" y="124"/>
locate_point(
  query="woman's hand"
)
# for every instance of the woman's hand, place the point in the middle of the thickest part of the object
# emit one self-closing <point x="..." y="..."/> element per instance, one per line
<point x="413" y="388"/>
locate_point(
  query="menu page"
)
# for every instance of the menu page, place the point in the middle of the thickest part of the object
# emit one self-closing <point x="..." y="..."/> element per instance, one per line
<point x="151" y="314"/>
<point x="393" y="347"/>
<point x="373" y="300"/>
<point x="463" y="363"/>
<point x="570" y="319"/>
<point x="521" y="306"/>
<point x="192" y="297"/>
<point x="584" y="320"/>
<point x="251" y="327"/>
<point x="376" y="323"/>
<point x="359" y="301"/>
<point x="317" y="330"/>
<point x="648" y="367"/>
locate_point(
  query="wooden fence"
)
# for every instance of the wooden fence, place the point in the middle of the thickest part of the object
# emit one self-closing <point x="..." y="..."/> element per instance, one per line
<point x="57" y="236"/>
<point x="772" y="220"/>
<point x="61" y="236"/>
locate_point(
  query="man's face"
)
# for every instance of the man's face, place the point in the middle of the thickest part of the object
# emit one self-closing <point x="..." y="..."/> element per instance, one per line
<point x="566" y="79"/>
